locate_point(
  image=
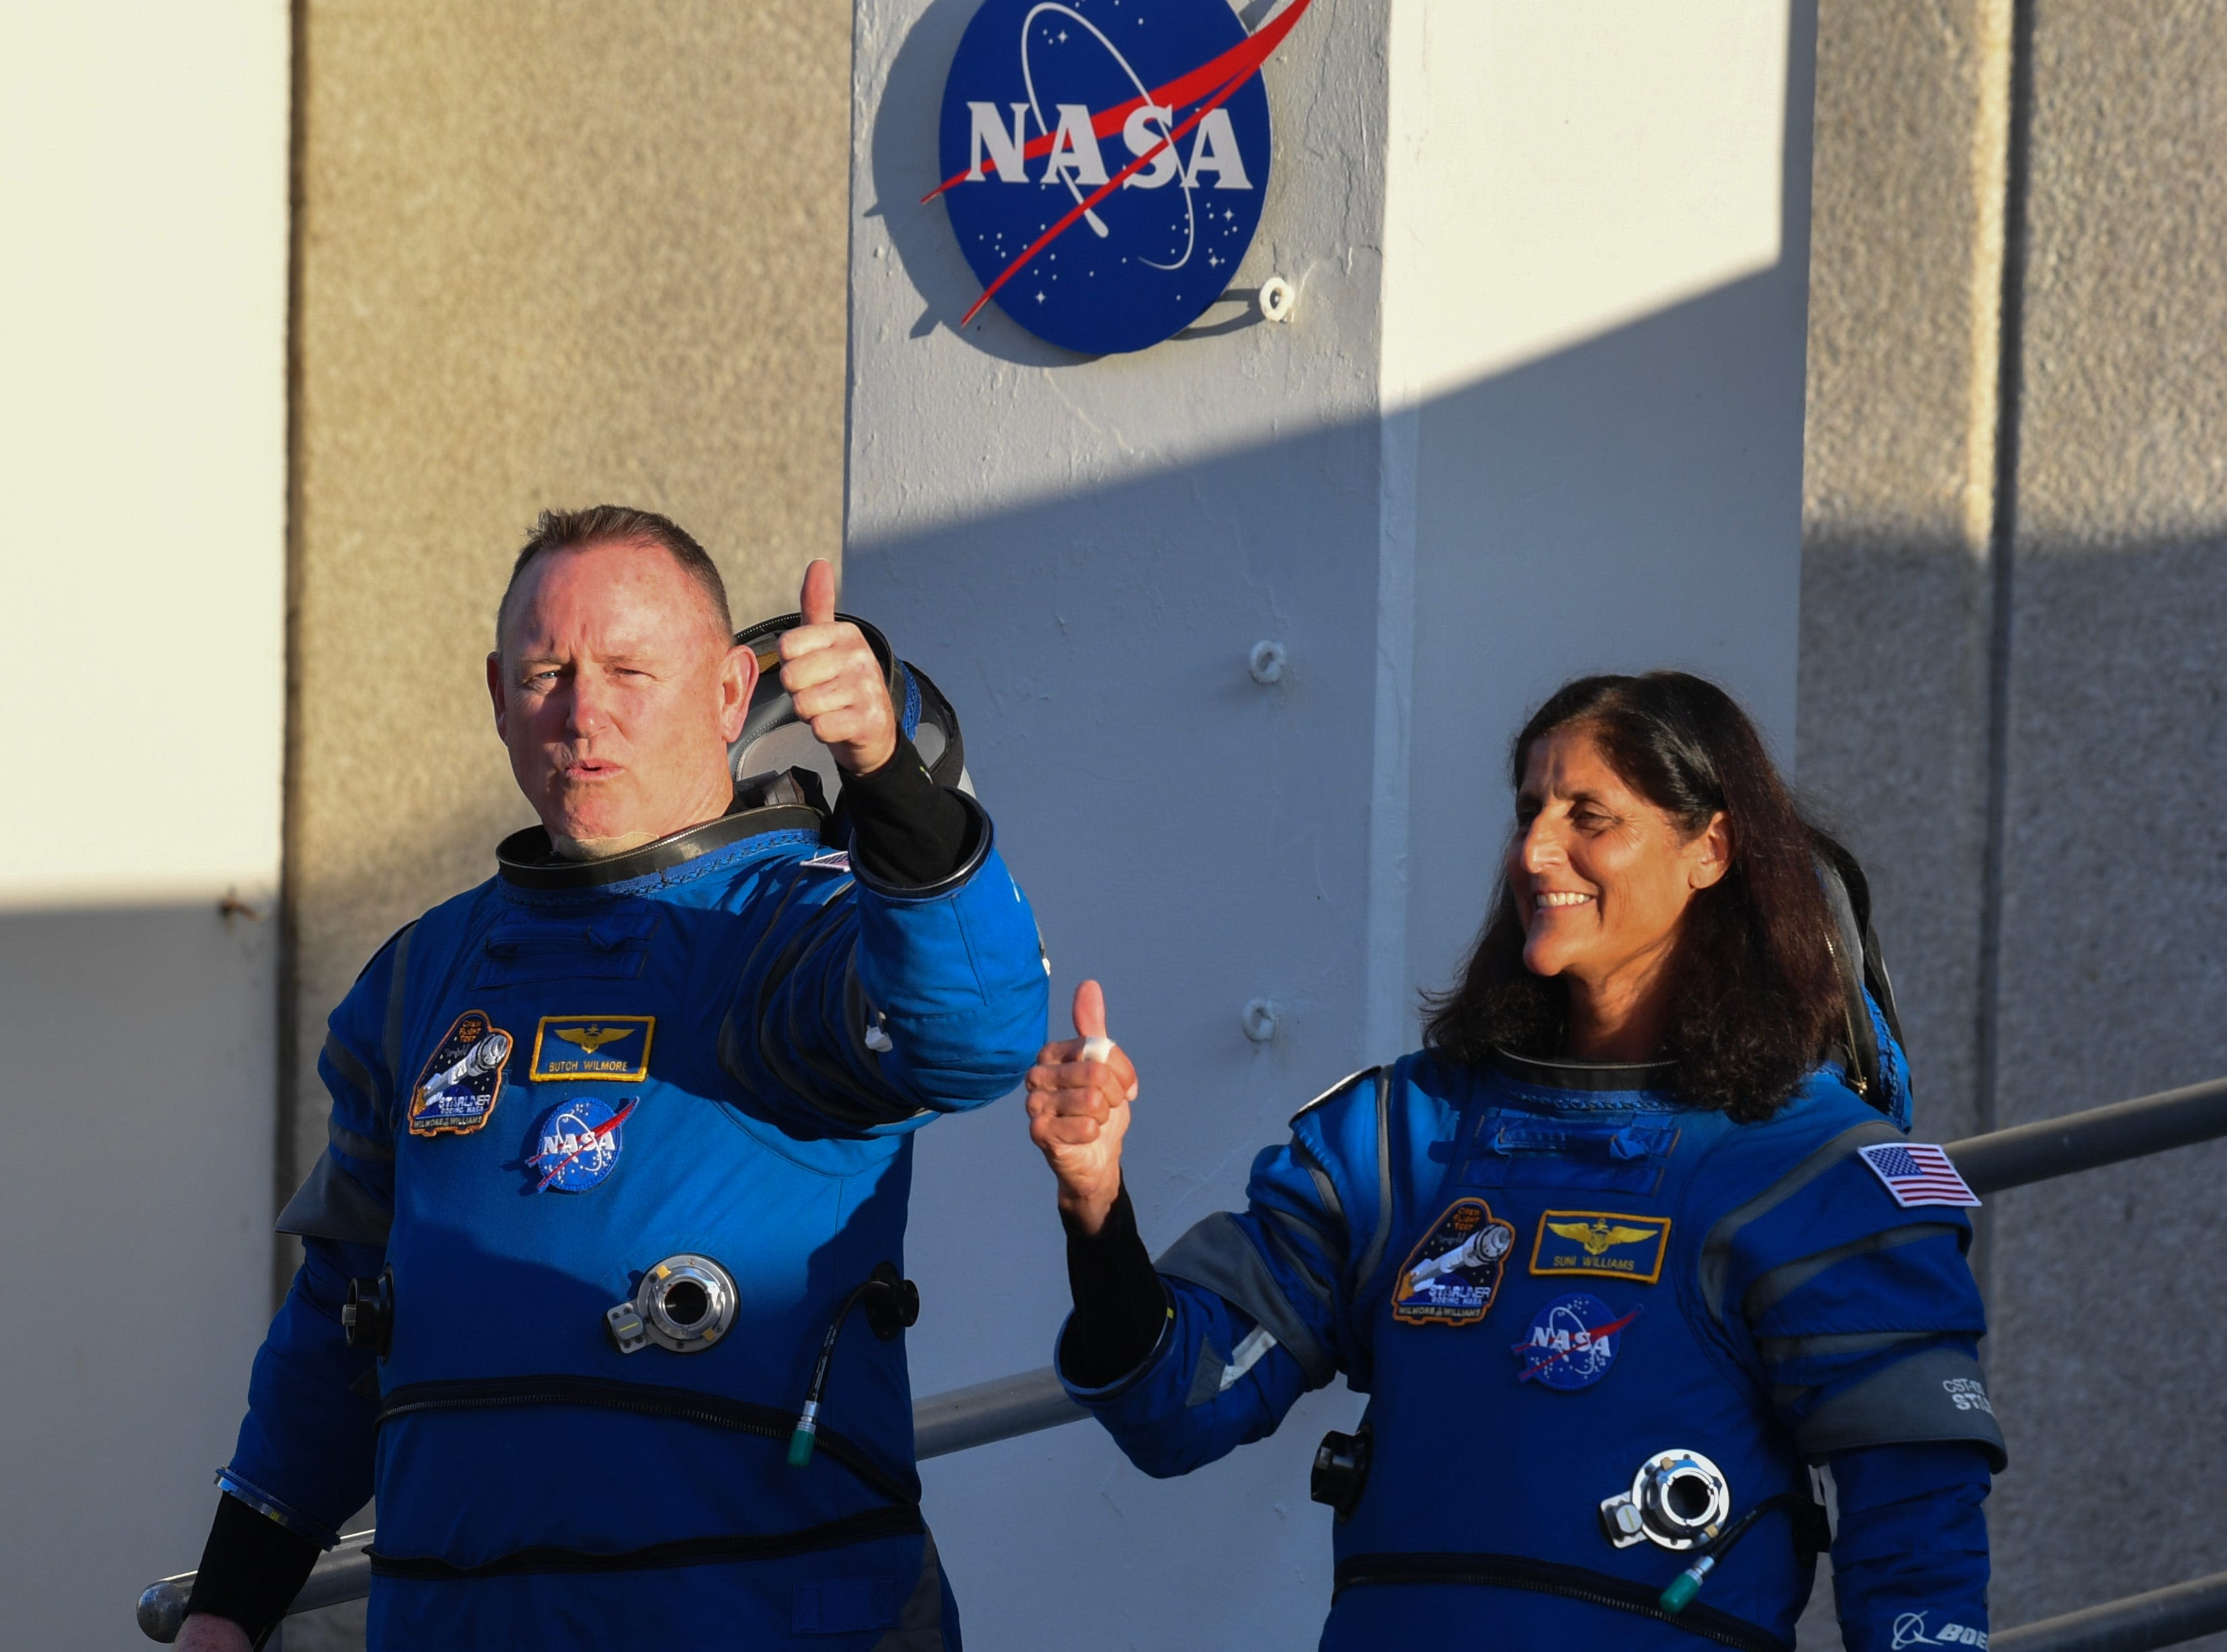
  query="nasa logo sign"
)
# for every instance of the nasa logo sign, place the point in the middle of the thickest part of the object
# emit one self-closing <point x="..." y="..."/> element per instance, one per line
<point x="1104" y="161"/>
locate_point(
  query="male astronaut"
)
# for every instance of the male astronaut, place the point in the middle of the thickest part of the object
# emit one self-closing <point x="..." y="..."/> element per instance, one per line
<point x="617" y="1137"/>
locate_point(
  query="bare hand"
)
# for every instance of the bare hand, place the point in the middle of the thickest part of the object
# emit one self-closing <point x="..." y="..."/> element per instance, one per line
<point x="1079" y="1111"/>
<point x="830" y="672"/>
<point x="203" y="1633"/>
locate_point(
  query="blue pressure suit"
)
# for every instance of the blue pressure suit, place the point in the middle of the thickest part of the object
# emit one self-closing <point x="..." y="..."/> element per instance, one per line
<point x="715" y="1047"/>
<point x="1548" y="1275"/>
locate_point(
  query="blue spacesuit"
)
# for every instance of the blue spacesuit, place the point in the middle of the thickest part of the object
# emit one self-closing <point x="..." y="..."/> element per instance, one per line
<point x="1598" y="1330"/>
<point x="625" y="1139"/>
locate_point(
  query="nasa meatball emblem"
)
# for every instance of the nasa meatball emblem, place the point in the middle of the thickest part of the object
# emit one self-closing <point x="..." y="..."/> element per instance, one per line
<point x="1104" y="161"/>
<point x="1573" y="1342"/>
<point x="580" y="1144"/>
<point x="462" y="1079"/>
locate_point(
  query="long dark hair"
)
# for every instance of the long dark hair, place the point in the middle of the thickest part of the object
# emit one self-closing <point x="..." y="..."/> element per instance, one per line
<point x="1757" y="993"/>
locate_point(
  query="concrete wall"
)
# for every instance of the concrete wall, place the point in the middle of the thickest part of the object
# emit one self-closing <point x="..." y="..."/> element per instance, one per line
<point x="2016" y="689"/>
<point x="142" y="186"/>
<point x="1493" y="446"/>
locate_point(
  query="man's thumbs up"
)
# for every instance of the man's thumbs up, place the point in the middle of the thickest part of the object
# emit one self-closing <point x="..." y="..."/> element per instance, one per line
<point x="817" y="600"/>
<point x="831" y="674"/>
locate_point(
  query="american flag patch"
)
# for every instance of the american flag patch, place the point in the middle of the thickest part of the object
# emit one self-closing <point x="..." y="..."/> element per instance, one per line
<point x="1918" y="1173"/>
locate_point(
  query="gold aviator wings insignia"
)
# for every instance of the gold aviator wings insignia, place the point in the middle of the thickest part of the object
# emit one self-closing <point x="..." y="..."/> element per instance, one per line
<point x="592" y="1039"/>
<point x="1598" y="1236"/>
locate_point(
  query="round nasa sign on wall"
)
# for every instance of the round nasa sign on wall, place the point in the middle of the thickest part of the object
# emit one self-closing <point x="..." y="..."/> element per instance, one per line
<point x="1104" y="161"/>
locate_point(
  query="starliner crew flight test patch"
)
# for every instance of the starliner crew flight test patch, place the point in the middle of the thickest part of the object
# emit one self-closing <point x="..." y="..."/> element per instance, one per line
<point x="462" y="1079"/>
<point x="1453" y="1276"/>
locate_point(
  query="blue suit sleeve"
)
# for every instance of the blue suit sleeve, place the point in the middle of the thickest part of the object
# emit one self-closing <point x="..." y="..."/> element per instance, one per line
<point x="1863" y="1317"/>
<point x="1910" y="1560"/>
<point x="1261" y="1302"/>
<point x="871" y="1007"/>
<point x="305" y="1448"/>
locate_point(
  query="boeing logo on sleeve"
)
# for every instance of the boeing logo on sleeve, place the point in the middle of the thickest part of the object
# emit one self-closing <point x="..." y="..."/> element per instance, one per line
<point x="1104" y="161"/>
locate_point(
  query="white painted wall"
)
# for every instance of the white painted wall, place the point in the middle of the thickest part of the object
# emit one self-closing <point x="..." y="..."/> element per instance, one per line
<point x="1539" y="411"/>
<point x="142" y="306"/>
<point x="1596" y="292"/>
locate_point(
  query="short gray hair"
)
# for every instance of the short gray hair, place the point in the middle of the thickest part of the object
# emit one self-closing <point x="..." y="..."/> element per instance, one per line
<point x="618" y="525"/>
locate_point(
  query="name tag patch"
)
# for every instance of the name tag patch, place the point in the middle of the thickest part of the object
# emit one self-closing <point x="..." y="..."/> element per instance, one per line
<point x="1601" y="1242"/>
<point x="1452" y="1276"/>
<point x="1574" y="1340"/>
<point x="581" y="1141"/>
<point x="462" y="1079"/>
<point x="615" y="1048"/>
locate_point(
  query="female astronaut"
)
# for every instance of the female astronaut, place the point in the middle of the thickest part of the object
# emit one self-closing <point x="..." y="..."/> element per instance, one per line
<point x="1618" y="1255"/>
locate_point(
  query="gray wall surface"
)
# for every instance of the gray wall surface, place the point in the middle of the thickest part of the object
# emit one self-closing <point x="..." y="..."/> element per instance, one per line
<point x="2018" y="706"/>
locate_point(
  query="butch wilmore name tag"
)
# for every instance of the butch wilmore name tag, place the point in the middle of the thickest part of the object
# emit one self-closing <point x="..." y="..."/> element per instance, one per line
<point x="612" y="1047"/>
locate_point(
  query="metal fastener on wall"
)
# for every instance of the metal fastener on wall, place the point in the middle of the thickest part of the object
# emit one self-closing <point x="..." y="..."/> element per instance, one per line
<point x="1259" y="1020"/>
<point x="1265" y="662"/>
<point x="1278" y="295"/>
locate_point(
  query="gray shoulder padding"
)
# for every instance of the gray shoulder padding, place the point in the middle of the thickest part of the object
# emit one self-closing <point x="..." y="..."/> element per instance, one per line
<point x="332" y="1204"/>
<point x="1717" y="1248"/>
<point x="1937" y="1396"/>
<point x="1218" y="1255"/>
<point x="1333" y="1093"/>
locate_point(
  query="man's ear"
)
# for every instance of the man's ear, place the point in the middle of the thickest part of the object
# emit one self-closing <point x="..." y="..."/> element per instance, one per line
<point x="1709" y="854"/>
<point x="496" y="695"/>
<point x="738" y="680"/>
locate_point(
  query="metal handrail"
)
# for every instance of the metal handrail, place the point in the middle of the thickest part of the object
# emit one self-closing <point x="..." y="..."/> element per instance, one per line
<point x="1029" y="1401"/>
<point x="2169" y="1617"/>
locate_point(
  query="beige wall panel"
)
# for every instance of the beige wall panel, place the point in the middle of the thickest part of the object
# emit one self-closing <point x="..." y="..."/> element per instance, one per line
<point x="2110" y="1339"/>
<point x="1906" y="233"/>
<point x="550" y="254"/>
<point x="1905" y="247"/>
<point x="2113" y="856"/>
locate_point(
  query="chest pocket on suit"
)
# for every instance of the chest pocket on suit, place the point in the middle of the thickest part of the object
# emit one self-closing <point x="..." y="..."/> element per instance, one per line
<point x="611" y="946"/>
<point x="1518" y="1151"/>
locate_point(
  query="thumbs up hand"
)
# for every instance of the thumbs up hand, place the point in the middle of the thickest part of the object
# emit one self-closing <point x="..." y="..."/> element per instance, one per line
<point x="830" y="672"/>
<point x="1079" y="1095"/>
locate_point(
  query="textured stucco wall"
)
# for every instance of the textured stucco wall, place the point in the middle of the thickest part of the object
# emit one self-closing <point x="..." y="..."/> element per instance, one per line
<point x="2091" y="589"/>
<point x="550" y="253"/>
<point x="2113" y="980"/>
<point x="1904" y="280"/>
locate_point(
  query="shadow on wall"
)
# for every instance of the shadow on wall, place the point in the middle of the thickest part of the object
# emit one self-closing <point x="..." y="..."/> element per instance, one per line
<point x="138" y="1086"/>
<point x="2113" y="859"/>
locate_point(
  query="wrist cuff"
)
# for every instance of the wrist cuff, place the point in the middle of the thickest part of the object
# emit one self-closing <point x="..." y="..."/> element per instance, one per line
<point x="252" y="1568"/>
